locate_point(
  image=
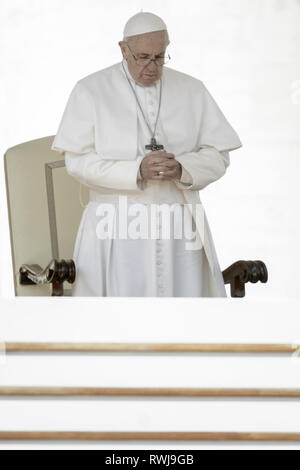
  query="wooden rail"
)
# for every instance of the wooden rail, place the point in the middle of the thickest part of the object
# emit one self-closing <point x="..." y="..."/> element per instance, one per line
<point x="149" y="392"/>
<point x="147" y="436"/>
<point x="32" y="347"/>
<point x="151" y="347"/>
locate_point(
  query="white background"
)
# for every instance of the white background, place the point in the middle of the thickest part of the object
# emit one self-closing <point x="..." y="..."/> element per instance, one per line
<point x="247" y="54"/>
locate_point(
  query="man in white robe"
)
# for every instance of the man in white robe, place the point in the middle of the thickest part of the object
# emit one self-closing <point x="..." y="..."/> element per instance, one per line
<point x="108" y="123"/>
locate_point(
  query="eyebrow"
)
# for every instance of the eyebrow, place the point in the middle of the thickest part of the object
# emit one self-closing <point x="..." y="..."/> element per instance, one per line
<point x="145" y="53"/>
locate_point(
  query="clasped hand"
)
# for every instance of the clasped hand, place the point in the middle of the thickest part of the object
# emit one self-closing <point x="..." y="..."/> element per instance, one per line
<point x="160" y="160"/>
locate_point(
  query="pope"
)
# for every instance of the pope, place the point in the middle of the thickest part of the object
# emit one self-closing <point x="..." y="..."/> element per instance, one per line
<point x="142" y="131"/>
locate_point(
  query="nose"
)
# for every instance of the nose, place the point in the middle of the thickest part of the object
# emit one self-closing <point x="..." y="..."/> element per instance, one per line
<point x="152" y="66"/>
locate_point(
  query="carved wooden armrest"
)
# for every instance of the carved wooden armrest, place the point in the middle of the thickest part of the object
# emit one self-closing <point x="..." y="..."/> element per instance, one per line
<point x="56" y="273"/>
<point x="241" y="272"/>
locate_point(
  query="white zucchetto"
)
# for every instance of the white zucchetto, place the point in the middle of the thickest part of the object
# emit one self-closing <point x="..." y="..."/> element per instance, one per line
<point x="143" y="22"/>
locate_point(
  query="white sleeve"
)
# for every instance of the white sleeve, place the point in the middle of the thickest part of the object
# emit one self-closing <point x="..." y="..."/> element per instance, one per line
<point x="92" y="171"/>
<point x="205" y="166"/>
<point x="140" y="179"/>
<point x="186" y="177"/>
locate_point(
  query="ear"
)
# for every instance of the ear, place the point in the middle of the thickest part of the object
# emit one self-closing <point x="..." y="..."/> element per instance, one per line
<point x="122" y="45"/>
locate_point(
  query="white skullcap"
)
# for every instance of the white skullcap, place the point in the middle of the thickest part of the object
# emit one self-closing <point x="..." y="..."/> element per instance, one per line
<point x="142" y="23"/>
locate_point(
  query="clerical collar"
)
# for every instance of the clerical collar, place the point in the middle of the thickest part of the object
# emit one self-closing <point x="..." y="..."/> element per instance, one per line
<point x="124" y="61"/>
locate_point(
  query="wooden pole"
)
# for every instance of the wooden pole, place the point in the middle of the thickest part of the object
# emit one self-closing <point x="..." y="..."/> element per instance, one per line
<point x="150" y="347"/>
<point x="147" y="436"/>
<point x="149" y="392"/>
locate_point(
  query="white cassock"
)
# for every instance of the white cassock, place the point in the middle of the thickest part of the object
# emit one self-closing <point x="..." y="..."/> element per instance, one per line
<point x="103" y="136"/>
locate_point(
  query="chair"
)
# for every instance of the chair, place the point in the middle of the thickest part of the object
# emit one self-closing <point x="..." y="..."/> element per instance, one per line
<point x="41" y="198"/>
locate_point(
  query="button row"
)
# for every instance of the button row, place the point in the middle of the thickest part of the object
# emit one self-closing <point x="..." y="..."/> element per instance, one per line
<point x="159" y="264"/>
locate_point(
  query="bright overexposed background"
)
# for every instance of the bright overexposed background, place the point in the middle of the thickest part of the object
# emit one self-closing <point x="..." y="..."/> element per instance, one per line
<point x="247" y="54"/>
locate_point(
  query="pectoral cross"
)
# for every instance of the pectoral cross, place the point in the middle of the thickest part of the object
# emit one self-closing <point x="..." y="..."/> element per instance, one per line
<point x="154" y="146"/>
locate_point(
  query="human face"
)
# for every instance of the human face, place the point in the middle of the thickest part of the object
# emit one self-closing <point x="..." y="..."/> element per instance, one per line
<point x="149" y="45"/>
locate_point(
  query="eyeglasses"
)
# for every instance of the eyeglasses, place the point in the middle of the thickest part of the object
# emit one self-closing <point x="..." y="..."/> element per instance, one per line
<point x="145" y="61"/>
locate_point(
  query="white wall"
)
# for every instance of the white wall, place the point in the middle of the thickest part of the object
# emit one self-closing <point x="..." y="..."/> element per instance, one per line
<point x="150" y="321"/>
<point x="247" y="54"/>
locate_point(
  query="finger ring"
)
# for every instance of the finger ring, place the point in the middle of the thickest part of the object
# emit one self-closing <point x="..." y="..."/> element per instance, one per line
<point x="161" y="172"/>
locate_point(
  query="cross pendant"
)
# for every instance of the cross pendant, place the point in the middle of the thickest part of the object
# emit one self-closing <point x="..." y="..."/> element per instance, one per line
<point x="154" y="146"/>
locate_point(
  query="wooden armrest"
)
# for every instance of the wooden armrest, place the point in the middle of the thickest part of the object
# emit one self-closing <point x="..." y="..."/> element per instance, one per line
<point x="56" y="273"/>
<point x="240" y="272"/>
